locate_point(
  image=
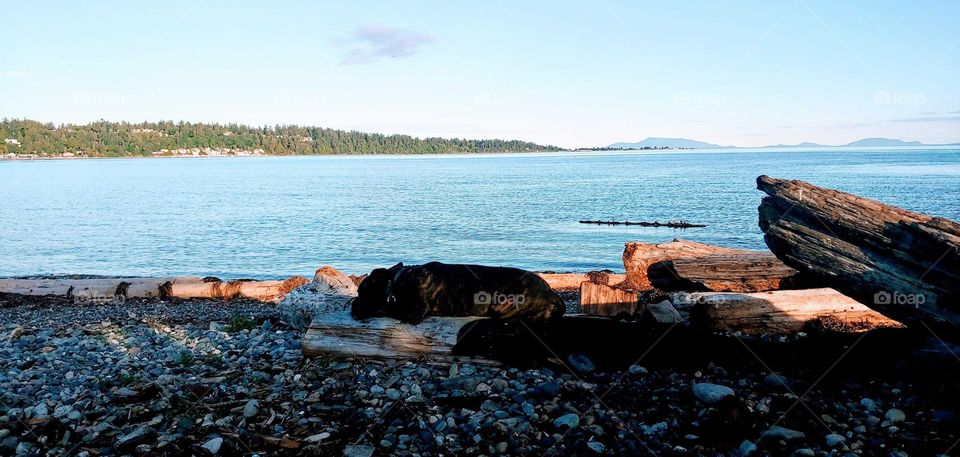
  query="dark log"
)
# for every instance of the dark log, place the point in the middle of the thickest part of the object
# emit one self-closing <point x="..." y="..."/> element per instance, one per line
<point x="904" y="264"/>
<point x="670" y="224"/>
<point x="614" y="345"/>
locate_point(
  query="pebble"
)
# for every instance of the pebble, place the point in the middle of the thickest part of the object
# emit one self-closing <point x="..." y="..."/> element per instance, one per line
<point x="317" y="438"/>
<point x="567" y="420"/>
<point x="596" y="447"/>
<point x="213" y="446"/>
<point x="711" y="393"/>
<point x="782" y="433"/>
<point x="581" y="363"/>
<point x="747" y="447"/>
<point x="895" y="415"/>
<point x="251" y="409"/>
<point x="358" y="450"/>
<point x="777" y="380"/>
<point x="833" y="440"/>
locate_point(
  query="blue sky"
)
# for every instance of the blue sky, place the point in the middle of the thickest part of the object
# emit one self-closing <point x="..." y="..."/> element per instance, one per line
<point x="565" y="73"/>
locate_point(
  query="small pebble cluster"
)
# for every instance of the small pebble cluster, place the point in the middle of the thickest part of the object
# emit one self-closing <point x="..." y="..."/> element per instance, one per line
<point x="148" y="377"/>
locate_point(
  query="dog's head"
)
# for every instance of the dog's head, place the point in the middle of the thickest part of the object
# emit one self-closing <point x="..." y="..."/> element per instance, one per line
<point x="375" y="295"/>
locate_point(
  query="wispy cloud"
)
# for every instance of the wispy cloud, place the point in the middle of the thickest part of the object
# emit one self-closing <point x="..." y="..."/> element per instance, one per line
<point x="372" y="42"/>
<point x="932" y="116"/>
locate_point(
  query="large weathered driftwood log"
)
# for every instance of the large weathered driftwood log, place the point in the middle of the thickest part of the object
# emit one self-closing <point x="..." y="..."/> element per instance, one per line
<point x="340" y="334"/>
<point x="901" y="263"/>
<point x="781" y="312"/>
<point x="688" y="265"/>
<point x="603" y="300"/>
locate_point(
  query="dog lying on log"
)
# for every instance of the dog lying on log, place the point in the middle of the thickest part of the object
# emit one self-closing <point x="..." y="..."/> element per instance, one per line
<point x="411" y="293"/>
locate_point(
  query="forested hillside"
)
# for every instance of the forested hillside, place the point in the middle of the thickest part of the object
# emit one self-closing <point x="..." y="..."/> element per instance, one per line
<point x="113" y="139"/>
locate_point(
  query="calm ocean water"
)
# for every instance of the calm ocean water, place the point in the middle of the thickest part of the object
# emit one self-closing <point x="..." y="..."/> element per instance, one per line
<point x="270" y="217"/>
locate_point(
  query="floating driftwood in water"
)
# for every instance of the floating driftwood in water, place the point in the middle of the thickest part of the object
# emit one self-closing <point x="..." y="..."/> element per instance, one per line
<point x="901" y="263"/>
<point x="670" y="224"/>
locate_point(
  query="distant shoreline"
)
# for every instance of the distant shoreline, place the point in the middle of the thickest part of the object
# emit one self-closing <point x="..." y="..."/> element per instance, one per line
<point x="564" y="151"/>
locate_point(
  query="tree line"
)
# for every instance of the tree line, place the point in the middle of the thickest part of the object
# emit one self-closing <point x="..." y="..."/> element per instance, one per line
<point x="121" y="139"/>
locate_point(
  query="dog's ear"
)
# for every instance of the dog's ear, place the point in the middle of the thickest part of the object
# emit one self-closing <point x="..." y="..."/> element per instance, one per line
<point x="396" y="267"/>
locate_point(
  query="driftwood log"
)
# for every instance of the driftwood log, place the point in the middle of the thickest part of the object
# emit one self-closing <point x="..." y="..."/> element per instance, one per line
<point x="688" y="265"/>
<point x="901" y="263"/>
<point x="383" y="337"/>
<point x="746" y="271"/>
<point x="781" y="312"/>
<point x="106" y="289"/>
<point x="572" y="281"/>
<point x="602" y="300"/>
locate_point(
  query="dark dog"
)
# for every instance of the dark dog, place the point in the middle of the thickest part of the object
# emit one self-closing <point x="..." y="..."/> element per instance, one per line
<point x="411" y="293"/>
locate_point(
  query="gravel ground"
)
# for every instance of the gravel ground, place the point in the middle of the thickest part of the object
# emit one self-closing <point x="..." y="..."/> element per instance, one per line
<point x="148" y="377"/>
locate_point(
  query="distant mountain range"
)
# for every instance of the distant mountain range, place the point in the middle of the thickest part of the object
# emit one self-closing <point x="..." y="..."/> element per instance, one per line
<point x="683" y="143"/>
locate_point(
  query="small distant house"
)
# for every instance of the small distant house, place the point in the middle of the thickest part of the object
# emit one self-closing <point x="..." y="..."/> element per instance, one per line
<point x="13" y="141"/>
<point x="67" y="154"/>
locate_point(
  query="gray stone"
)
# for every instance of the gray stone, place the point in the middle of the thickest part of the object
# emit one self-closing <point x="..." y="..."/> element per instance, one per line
<point x="833" y="440"/>
<point x="747" y="447"/>
<point x="317" y="438"/>
<point x="895" y="415"/>
<point x="358" y="450"/>
<point x="663" y="313"/>
<point x="213" y="446"/>
<point x="782" y="433"/>
<point x="711" y="393"/>
<point x="581" y="363"/>
<point x="251" y="409"/>
<point x="567" y="420"/>
<point x="777" y="380"/>
<point x="597" y="447"/>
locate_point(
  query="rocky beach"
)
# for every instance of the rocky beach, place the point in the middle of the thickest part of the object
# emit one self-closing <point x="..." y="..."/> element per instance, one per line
<point x="208" y="377"/>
